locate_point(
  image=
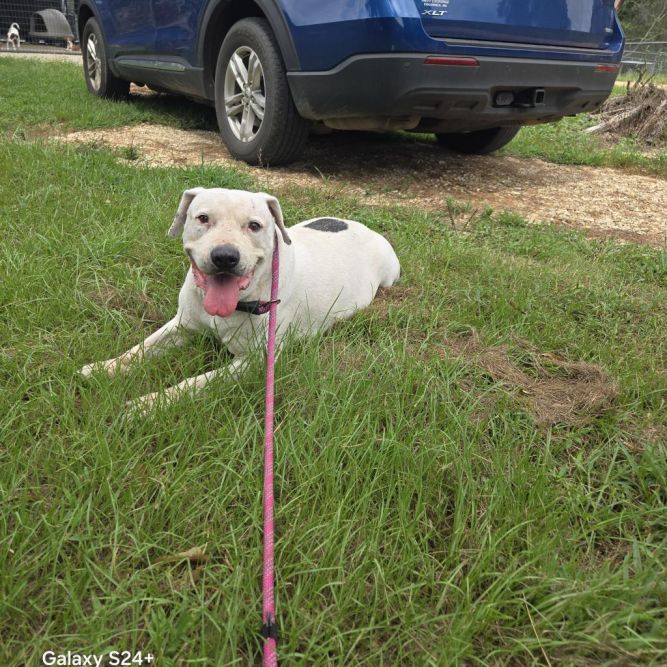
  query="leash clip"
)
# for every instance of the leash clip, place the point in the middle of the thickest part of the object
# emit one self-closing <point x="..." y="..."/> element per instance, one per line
<point x="269" y="629"/>
<point x="265" y="306"/>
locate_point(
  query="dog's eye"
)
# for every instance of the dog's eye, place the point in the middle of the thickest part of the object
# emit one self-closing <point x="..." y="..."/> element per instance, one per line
<point x="203" y="218"/>
<point x="254" y="226"/>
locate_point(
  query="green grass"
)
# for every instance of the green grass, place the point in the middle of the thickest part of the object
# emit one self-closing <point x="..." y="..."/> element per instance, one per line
<point x="42" y="96"/>
<point x="423" y="516"/>
<point x="566" y="143"/>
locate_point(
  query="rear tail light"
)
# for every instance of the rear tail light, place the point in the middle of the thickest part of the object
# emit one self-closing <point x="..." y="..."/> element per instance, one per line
<point x="460" y="61"/>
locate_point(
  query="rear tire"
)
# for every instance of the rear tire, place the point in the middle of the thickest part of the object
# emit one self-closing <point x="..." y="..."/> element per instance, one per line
<point x="100" y="80"/>
<point x="479" y="142"/>
<point x="256" y="114"/>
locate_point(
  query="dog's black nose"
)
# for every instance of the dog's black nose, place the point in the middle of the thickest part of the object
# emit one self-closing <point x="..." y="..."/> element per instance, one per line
<point x="225" y="257"/>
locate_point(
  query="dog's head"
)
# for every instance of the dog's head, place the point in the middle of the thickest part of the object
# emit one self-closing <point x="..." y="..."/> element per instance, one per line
<point x="229" y="237"/>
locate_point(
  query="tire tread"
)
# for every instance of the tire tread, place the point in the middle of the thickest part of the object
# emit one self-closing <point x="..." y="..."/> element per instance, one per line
<point x="478" y="142"/>
<point x="111" y="87"/>
<point x="290" y="131"/>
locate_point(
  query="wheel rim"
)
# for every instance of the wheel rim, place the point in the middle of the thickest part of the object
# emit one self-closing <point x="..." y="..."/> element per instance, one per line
<point x="245" y="97"/>
<point x="93" y="64"/>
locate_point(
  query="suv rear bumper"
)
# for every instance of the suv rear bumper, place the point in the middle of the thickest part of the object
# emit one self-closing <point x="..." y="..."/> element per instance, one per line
<point x="448" y="96"/>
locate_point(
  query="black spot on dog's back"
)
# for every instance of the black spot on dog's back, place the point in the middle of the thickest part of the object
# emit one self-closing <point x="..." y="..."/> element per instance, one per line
<point x="328" y="225"/>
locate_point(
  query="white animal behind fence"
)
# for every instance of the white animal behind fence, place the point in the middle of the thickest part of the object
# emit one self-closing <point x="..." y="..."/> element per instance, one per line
<point x="14" y="37"/>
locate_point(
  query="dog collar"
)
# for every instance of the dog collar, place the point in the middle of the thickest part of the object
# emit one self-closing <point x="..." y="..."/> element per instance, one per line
<point x="255" y="307"/>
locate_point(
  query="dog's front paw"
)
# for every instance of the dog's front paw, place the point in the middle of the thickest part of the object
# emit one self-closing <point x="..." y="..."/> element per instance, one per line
<point x="109" y="367"/>
<point x="88" y="370"/>
<point x="141" y="406"/>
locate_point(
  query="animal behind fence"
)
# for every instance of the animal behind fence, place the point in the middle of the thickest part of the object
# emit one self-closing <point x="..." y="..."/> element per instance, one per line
<point x="39" y="25"/>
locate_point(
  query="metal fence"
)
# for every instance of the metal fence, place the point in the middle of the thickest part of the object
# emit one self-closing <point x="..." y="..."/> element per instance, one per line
<point x="648" y="56"/>
<point x="39" y="26"/>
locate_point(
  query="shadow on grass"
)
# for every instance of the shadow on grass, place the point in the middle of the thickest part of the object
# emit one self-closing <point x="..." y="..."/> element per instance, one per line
<point x="192" y="115"/>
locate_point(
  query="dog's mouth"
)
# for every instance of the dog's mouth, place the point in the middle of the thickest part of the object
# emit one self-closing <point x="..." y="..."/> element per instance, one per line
<point x="222" y="291"/>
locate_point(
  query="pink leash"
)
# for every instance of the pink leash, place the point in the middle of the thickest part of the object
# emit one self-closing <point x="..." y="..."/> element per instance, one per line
<point x="269" y="627"/>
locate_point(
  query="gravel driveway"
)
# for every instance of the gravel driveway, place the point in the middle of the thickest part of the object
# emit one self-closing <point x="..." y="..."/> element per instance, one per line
<point x="605" y="203"/>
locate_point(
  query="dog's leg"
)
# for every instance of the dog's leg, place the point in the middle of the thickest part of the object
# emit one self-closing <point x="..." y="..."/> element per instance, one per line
<point x="191" y="385"/>
<point x="170" y="335"/>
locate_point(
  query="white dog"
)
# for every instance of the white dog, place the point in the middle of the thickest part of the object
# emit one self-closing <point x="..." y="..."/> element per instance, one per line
<point x="329" y="268"/>
<point x="14" y="37"/>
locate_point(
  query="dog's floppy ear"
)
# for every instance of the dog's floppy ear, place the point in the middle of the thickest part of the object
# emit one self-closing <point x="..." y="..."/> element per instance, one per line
<point x="176" y="228"/>
<point x="277" y="213"/>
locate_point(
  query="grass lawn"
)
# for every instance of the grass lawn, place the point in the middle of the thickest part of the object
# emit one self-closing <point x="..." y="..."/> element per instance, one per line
<point x="436" y="504"/>
<point x="37" y="96"/>
<point x="566" y="143"/>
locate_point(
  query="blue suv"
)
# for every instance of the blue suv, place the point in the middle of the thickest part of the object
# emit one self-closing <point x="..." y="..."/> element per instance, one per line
<point x="470" y="71"/>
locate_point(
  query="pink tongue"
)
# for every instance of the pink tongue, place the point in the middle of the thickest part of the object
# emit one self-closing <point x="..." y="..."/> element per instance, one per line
<point x="221" y="294"/>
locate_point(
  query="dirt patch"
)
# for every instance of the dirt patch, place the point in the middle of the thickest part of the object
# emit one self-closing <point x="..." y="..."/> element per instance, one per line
<point x="379" y="170"/>
<point x="64" y="56"/>
<point x="157" y="145"/>
<point x="556" y="391"/>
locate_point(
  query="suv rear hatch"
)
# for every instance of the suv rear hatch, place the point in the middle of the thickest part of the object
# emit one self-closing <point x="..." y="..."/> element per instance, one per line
<point x="571" y="23"/>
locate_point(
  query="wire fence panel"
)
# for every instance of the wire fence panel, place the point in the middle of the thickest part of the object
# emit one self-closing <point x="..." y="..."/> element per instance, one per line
<point x="648" y="56"/>
<point x="39" y="26"/>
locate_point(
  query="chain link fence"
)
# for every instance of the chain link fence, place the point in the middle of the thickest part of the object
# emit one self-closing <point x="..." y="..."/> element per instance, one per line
<point x="645" y="56"/>
<point x="46" y="26"/>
